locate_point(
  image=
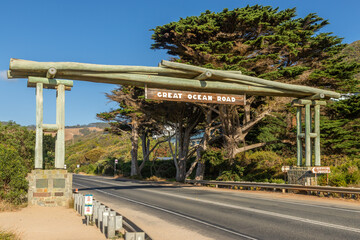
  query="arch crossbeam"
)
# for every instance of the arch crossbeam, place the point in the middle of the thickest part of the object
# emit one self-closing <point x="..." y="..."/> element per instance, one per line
<point x="168" y="75"/>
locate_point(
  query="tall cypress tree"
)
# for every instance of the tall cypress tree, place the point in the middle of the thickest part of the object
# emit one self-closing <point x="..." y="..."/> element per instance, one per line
<point x="261" y="41"/>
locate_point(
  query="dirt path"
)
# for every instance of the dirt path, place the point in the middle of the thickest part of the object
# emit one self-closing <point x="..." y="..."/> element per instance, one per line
<point x="48" y="223"/>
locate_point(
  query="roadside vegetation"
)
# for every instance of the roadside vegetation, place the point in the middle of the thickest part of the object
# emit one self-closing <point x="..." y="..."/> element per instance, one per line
<point x="17" y="160"/>
<point x="156" y="140"/>
<point x="9" y="235"/>
<point x="249" y="143"/>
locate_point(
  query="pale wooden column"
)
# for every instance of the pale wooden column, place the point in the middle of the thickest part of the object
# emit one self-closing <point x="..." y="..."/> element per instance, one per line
<point x="317" y="132"/>
<point x="307" y="135"/>
<point x="60" y="122"/>
<point x="298" y="137"/>
<point x="39" y="127"/>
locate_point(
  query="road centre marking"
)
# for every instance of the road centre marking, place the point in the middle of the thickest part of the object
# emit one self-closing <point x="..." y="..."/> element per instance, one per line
<point x="258" y="211"/>
<point x="174" y="213"/>
<point x="248" y="197"/>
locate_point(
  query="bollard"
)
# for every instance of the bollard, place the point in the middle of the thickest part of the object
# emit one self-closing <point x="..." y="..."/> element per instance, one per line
<point x="106" y="213"/>
<point x="82" y="205"/>
<point x="75" y="200"/>
<point x="110" y="226"/>
<point x="95" y="212"/>
<point x="134" y="236"/>
<point x="100" y="216"/>
<point x="118" y="222"/>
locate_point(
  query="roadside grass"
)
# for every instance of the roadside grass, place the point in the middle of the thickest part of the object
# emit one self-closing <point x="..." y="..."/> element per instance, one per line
<point x="9" y="235"/>
<point x="9" y="207"/>
<point x="156" y="179"/>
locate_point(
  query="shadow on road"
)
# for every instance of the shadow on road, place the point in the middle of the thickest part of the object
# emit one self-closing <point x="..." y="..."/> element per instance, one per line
<point x="141" y="185"/>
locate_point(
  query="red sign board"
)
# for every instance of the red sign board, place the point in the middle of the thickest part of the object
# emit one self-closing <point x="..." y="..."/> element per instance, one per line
<point x="320" y="170"/>
<point x="189" y="96"/>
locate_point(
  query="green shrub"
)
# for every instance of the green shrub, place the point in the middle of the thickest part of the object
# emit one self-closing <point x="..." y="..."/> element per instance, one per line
<point x="346" y="174"/>
<point x="228" y="176"/>
<point x="262" y="165"/>
<point x="13" y="185"/>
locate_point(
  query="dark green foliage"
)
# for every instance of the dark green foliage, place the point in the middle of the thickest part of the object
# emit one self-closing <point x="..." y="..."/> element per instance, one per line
<point x="262" y="166"/>
<point x="21" y="140"/>
<point x="260" y="41"/>
<point x="17" y="146"/>
<point x="346" y="174"/>
<point x="345" y="109"/>
<point x="339" y="130"/>
<point x="49" y="151"/>
<point x="13" y="185"/>
<point x="163" y="169"/>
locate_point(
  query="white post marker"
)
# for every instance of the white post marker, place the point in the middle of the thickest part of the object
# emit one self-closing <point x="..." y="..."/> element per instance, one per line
<point x="88" y="209"/>
<point x="320" y="170"/>
<point x="88" y="199"/>
<point x="285" y="168"/>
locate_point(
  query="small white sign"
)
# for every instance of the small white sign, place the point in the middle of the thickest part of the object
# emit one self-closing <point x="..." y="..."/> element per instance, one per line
<point x="285" y="168"/>
<point x="88" y="199"/>
<point x="78" y="165"/>
<point x="88" y="210"/>
<point x="320" y="169"/>
<point x="116" y="161"/>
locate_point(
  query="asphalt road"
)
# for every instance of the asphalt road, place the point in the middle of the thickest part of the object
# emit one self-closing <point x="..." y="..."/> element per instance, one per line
<point x="229" y="214"/>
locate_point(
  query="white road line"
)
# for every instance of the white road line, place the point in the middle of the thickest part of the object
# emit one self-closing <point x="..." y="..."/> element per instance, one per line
<point x="305" y="220"/>
<point x="258" y="211"/>
<point x="174" y="213"/>
<point x="248" y="197"/>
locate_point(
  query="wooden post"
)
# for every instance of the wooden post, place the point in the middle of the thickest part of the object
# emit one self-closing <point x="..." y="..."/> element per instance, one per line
<point x="60" y="122"/>
<point x="317" y="131"/>
<point x="307" y="136"/>
<point x="298" y="138"/>
<point x="39" y="127"/>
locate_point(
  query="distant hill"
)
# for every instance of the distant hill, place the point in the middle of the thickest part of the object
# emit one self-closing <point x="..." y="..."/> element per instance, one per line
<point x="76" y="130"/>
<point x="101" y="125"/>
<point x="352" y="52"/>
<point x="95" y="148"/>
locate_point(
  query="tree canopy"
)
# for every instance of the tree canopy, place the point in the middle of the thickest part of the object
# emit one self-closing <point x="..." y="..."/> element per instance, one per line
<point x="261" y="41"/>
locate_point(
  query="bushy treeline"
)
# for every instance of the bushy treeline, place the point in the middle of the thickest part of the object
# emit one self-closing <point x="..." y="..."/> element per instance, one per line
<point x="17" y="146"/>
<point x="248" y="142"/>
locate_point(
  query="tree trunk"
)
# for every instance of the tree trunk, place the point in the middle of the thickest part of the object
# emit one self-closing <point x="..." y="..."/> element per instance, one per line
<point x="145" y="152"/>
<point x="134" y="147"/>
<point x="200" y="170"/>
<point x="234" y="132"/>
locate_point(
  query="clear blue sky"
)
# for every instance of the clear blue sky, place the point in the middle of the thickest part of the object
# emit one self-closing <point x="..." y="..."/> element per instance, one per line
<point x="112" y="32"/>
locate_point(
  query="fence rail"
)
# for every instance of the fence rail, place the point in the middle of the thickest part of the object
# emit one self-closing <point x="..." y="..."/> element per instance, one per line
<point x="108" y="220"/>
<point x="282" y="187"/>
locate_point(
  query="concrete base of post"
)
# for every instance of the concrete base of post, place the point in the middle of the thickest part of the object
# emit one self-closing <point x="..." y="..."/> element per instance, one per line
<point x="302" y="176"/>
<point x="50" y="188"/>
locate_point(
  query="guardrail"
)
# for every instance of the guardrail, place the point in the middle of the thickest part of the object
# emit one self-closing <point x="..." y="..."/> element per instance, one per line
<point x="108" y="220"/>
<point x="343" y="191"/>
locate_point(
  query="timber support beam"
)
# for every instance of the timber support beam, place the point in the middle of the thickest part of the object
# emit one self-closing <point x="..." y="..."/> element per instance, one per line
<point x="311" y="131"/>
<point x="60" y="86"/>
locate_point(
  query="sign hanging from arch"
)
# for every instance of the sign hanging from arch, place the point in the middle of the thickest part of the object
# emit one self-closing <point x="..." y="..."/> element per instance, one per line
<point x="195" y="97"/>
